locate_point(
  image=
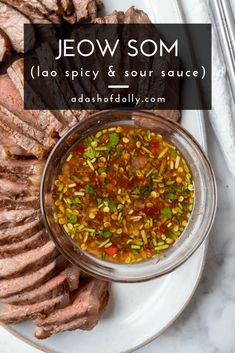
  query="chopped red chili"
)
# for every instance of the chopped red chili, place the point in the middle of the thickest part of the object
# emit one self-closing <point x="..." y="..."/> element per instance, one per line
<point x="112" y="250"/>
<point x="79" y="149"/>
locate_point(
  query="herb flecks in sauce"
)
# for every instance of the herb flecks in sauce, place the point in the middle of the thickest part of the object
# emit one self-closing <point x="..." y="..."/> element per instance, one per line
<point x="124" y="194"/>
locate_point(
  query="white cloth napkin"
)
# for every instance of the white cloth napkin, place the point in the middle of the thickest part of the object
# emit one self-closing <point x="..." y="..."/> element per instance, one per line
<point x="222" y="115"/>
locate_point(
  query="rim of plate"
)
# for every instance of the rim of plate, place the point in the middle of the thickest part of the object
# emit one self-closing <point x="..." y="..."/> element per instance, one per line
<point x="145" y="342"/>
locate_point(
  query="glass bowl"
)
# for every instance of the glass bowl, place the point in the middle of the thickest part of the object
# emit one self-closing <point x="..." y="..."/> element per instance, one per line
<point x="202" y="215"/>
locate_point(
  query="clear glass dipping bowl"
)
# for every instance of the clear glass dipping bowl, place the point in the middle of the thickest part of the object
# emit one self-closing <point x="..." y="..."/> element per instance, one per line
<point x="201" y="218"/>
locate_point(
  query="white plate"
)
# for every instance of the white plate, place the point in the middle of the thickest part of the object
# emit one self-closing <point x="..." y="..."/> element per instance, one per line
<point x="137" y="313"/>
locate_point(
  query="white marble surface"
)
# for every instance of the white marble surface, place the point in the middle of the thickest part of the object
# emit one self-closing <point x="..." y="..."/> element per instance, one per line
<point x="207" y="325"/>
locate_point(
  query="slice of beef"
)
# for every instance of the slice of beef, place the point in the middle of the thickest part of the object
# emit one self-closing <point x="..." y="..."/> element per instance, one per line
<point x="67" y="6"/>
<point x="27" y="143"/>
<point x="10" y="98"/>
<point x="59" y="9"/>
<point x="51" y="289"/>
<point x="32" y="259"/>
<point x="27" y="244"/>
<point x="31" y="280"/>
<point x="114" y="17"/>
<point x="44" y="117"/>
<point x="87" y="300"/>
<point x="85" y="310"/>
<point x="18" y="313"/>
<point x="73" y="275"/>
<point x="134" y="15"/>
<point x="13" y="187"/>
<point x="13" y="121"/>
<point x="13" y="151"/>
<point x="85" y="9"/>
<point x="52" y="6"/>
<point x="33" y="9"/>
<point x="21" y="232"/>
<point x="5" y="46"/>
<point x="99" y="4"/>
<point x="12" y="23"/>
<point x="21" y="203"/>
<point x="14" y="216"/>
<point x="22" y="167"/>
<point x="9" y="181"/>
<point x="86" y="323"/>
<point x="10" y="150"/>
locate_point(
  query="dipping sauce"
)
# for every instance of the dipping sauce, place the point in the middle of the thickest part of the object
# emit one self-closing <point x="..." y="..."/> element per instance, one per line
<point x="124" y="194"/>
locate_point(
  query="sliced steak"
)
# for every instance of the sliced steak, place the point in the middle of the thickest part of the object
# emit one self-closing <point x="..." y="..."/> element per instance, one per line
<point x="86" y="323"/>
<point x="99" y="4"/>
<point x="10" y="150"/>
<point x="21" y="203"/>
<point x="32" y="259"/>
<point x="12" y="23"/>
<point x="85" y="310"/>
<point x="13" y="121"/>
<point x="5" y="46"/>
<point x="85" y="9"/>
<point x="52" y="6"/>
<point x="53" y="15"/>
<point x="44" y="117"/>
<point x="60" y="7"/>
<point x="15" y="216"/>
<point x="11" y="186"/>
<point x="114" y="17"/>
<point x="22" y="167"/>
<point x="51" y="289"/>
<point x="13" y="151"/>
<point x="17" y="313"/>
<point x="27" y="143"/>
<point x="73" y="275"/>
<point x="31" y="280"/>
<point x="33" y="9"/>
<point x="134" y="15"/>
<point x="32" y="181"/>
<point x="19" y="233"/>
<point x="27" y="244"/>
<point x="10" y="99"/>
<point x="67" y="6"/>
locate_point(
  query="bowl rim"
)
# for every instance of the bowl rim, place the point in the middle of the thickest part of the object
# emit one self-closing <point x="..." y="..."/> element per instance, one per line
<point x="177" y="263"/>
